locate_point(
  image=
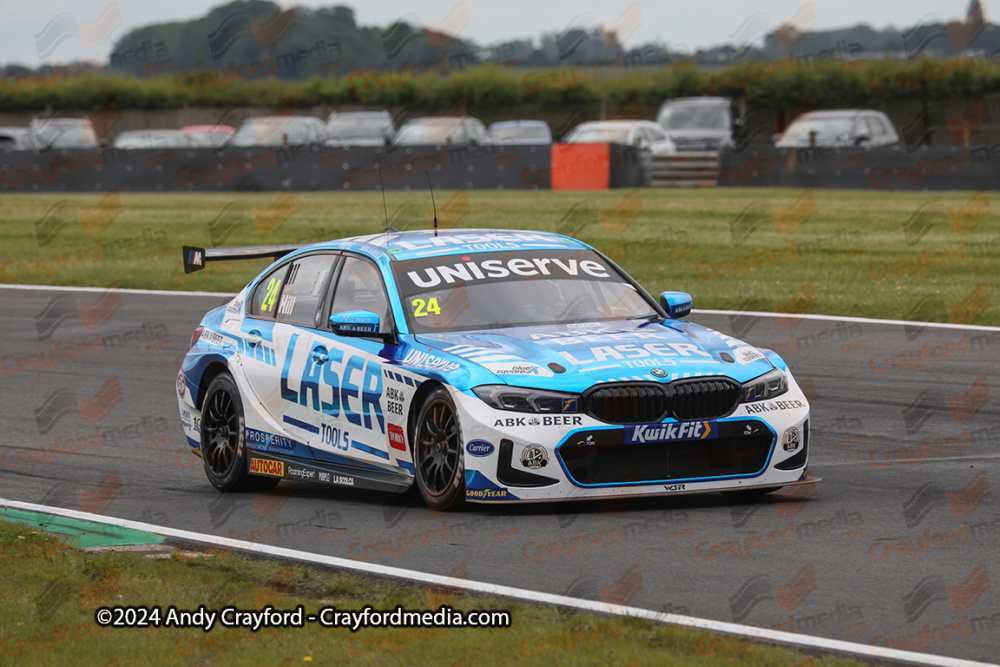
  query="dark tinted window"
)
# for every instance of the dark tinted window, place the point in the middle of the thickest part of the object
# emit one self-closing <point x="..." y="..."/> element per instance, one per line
<point x="876" y="126"/>
<point x="360" y="287"/>
<point x="265" y="296"/>
<point x="302" y="293"/>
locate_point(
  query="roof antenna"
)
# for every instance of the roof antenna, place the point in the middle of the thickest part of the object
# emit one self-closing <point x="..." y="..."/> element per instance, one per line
<point x="432" y="203"/>
<point x="381" y="186"/>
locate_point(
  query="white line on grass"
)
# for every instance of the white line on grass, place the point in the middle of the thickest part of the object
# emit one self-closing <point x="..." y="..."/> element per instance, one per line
<point x="748" y="631"/>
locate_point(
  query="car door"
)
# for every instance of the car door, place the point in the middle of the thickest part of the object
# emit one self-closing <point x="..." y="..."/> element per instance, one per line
<point x="284" y="308"/>
<point x="349" y="370"/>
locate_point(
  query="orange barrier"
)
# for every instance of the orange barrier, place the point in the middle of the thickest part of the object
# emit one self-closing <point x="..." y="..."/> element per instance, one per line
<point x="580" y="167"/>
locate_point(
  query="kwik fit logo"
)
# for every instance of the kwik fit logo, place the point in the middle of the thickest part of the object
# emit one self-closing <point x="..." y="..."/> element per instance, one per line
<point x="703" y="430"/>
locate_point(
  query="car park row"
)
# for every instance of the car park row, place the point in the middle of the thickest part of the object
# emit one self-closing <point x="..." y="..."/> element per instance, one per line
<point x="683" y="125"/>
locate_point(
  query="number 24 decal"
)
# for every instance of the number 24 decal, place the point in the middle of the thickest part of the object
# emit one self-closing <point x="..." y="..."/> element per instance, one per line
<point x="431" y="307"/>
<point x="271" y="294"/>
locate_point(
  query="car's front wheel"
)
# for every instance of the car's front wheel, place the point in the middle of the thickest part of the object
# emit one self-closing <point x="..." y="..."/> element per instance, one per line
<point x="439" y="467"/>
<point x="223" y="448"/>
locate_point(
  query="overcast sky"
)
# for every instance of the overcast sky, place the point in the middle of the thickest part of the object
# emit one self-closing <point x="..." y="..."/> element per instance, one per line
<point x="680" y="24"/>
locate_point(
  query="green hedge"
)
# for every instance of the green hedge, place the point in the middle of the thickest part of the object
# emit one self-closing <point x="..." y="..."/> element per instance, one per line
<point x="780" y="85"/>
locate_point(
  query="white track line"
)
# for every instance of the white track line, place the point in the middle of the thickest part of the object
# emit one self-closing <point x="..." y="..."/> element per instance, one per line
<point x="846" y="318"/>
<point x="748" y="631"/>
<point x="755" y="313"/>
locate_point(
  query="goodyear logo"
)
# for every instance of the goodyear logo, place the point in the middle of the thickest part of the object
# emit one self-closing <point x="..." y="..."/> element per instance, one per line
<point x="703" y="430"/>
<point x="486" y="494"/>
<point x="569" y="405"/>
<point x="267" y="467"/>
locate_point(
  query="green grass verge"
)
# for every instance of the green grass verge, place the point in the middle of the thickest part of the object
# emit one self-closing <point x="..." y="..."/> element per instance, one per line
<point x="52" y="592"/>
<point x="924" y="256"/>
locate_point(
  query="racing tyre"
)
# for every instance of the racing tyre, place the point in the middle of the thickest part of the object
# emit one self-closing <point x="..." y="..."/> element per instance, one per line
<point x="439" y="466"/>
<point x="223" y="446"/>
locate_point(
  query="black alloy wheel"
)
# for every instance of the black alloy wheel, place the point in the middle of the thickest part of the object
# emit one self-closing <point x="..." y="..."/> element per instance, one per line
<point x="222" y="439"/>
<point x="439" y="465"/>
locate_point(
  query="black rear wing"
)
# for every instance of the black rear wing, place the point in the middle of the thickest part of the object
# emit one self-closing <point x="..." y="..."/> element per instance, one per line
<point x="195" y="258"/>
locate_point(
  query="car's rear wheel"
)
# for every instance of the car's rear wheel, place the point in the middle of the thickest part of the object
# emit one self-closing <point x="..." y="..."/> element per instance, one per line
<point x="438" y="463"/>
<point x="223" y="448"/>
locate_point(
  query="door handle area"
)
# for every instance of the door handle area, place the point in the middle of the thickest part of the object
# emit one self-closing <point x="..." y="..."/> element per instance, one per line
<point x="254" y="338"/>
<point x="320" y="355"/>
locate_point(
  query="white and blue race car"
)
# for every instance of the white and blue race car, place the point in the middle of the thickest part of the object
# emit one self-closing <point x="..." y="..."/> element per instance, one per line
<point x="482" y="365"/>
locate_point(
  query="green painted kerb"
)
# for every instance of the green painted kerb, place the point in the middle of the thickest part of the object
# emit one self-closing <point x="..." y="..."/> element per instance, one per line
<point x="81" y="533"/>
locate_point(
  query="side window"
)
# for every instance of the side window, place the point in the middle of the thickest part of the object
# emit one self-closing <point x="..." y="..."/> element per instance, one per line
<point x="303" y="289"/>
<point x="360" y="287"/>
<point x="860" y="128"/>
<point x="265" y="296"/>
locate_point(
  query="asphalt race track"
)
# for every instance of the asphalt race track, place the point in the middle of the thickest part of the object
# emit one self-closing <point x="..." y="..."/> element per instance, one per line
<point x="895" y="547"/>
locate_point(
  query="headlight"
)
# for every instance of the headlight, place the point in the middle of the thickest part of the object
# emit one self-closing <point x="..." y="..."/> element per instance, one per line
<point x="768" y="385"/>
<point x="521" y="399"/>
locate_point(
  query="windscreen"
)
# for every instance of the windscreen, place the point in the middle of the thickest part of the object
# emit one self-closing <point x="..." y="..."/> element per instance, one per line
<point x="826" y="129"/>
<point x="510" y="289"/>
<point x="71" y="134"/>
<point x="694" y="117"/>
<point x="359" y="128"/>
<point x="521" y="132"/>
<point x="596" y="134"/>
<point x="424" y="132"/>
<point x="270" y="132"/>
<point x="151" y="140"/>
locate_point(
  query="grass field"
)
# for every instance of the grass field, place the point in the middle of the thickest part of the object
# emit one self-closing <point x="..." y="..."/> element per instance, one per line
<point x="921" y="256"/>
<point x="52" y="592"/>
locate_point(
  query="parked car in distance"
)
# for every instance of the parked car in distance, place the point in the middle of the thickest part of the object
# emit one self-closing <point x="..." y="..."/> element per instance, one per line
<point x="520" y="132"/>
<point x="360" y="128"/>
<point x="15" y="139"/>
<point x="59" y="133"/>
<point x="280" y="131"/>
<point x="453" y="130"/>
<point x="152" y="139"/>
<point x="643" y="134"/>
<point x="839" y="127"/>
<point x="209" y="136"/>
<point x="697" y="123"/>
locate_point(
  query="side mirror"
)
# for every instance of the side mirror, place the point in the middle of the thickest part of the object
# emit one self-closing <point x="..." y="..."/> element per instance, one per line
<point x="739" y="126"/>
<point x="677" y="304"/>
<point x="355" y="323"/>
<point x="861" y="139"/>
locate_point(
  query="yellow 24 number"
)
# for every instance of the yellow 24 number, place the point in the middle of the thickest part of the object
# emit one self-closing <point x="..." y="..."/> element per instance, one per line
<point x="431" y="307"/>
<point x="271" y="294"/>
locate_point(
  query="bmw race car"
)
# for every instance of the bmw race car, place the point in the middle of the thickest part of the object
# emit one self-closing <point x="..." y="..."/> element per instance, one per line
<point x="486" y="366"/>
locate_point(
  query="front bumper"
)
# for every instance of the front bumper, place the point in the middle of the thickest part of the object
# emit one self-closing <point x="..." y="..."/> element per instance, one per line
<point x="517" y="457"/>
